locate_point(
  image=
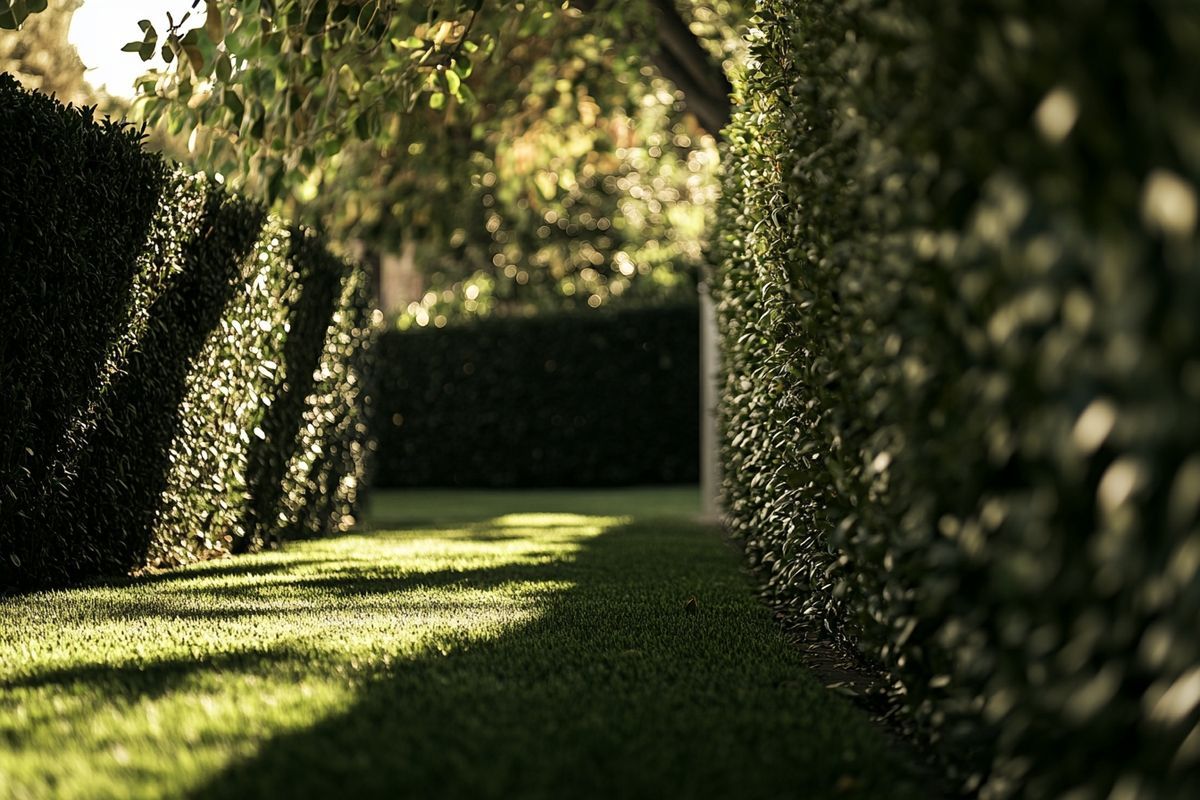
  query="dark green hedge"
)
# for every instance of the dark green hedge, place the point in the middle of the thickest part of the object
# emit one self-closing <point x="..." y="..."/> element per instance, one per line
<point x="960" y="306"/>
<point x="165" y="353"/>
<point x="601" y="398"/>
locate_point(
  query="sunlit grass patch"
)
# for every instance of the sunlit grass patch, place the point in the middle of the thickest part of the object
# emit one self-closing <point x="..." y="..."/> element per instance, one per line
<point x="147" y="686"/>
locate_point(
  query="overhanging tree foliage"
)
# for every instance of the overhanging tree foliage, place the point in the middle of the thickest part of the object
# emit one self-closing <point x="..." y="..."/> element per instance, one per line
<point x="542" y="149"/>
<point x="290" y="82"/>
<point x="578" y="183"/>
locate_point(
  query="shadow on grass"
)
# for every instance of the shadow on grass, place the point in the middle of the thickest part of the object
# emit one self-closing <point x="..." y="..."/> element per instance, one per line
<point x="211" y="569"/>
<point x="349" y="583"/>
<point x="391" y="509"/>
<point x="614" y="689"/>
<point x="146" y="679"/>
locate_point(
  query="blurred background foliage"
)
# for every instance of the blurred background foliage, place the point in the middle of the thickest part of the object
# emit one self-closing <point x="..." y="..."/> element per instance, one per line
<point x="42" y="58"/>
<point x="490" y="158"/>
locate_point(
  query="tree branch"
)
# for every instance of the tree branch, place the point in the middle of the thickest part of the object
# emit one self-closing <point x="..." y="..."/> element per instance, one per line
<point x="681" y="59"/>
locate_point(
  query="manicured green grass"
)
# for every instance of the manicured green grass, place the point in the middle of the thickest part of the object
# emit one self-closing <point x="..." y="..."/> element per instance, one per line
<point x="542" y="654"/>
<point x="404" y="508"/>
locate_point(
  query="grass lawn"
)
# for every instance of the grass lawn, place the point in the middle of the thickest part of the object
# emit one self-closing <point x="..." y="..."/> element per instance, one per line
<point x="491" y="645"/>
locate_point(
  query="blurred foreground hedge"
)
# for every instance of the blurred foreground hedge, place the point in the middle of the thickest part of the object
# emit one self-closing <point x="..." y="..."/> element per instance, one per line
<point x="960" y="306"/>
<point x="180" y="374"/>
<point x="601" y="398"/>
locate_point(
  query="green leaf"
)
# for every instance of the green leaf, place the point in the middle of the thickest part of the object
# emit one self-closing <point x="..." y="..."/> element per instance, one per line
<point x="234" y="104"/>
<point x="317" y="18"/>
<point x="195" y="57"/>
<point x="212" y="22"/>
<point x="367" y="15"/>
<point x="362" y="127"/>
<point x="149" y="41"/>
<point x="224" y="68"/>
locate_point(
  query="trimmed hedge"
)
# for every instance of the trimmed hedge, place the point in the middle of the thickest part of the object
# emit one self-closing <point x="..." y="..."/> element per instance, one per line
<point x="165" y="351"/>
<point x="960" y="308"/>
<point x="68" y="269"/>
<point x="602" y="398"/>
<point x="323" y="486"/>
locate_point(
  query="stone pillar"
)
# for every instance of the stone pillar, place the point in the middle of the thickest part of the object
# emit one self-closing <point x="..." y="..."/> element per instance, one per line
<point x="710" y="376"/>
<point x="400" y="283"/>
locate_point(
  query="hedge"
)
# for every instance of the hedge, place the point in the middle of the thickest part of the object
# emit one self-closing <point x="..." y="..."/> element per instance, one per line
<point x="959" y="302"/>
<point x="599" y="398"/>
<point x="165" y="348"/>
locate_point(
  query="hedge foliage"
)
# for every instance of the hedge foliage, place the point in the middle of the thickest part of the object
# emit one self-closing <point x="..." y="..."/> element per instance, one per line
<point x="167" y="359"/>
<point x="600" y="398"/>
<point x="960" y="307"/>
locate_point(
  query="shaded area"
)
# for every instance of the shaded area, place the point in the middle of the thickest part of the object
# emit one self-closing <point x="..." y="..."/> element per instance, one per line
<point x="140" y="680"/>
<point x="77" y="202"/>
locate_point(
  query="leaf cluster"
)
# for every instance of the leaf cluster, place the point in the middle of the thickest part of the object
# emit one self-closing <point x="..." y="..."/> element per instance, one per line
<point x="273" y="88"/>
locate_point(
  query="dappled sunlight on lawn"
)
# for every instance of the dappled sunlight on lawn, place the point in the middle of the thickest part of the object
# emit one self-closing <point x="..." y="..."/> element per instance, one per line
<point x="159" y="681"/>
<point x="535" y="651"/>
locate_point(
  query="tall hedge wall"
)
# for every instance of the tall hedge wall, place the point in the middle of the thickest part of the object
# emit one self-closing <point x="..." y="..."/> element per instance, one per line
<point x="599" y="398"/>
<point x="960" y="307"/>
<point x="166" y="348"/>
